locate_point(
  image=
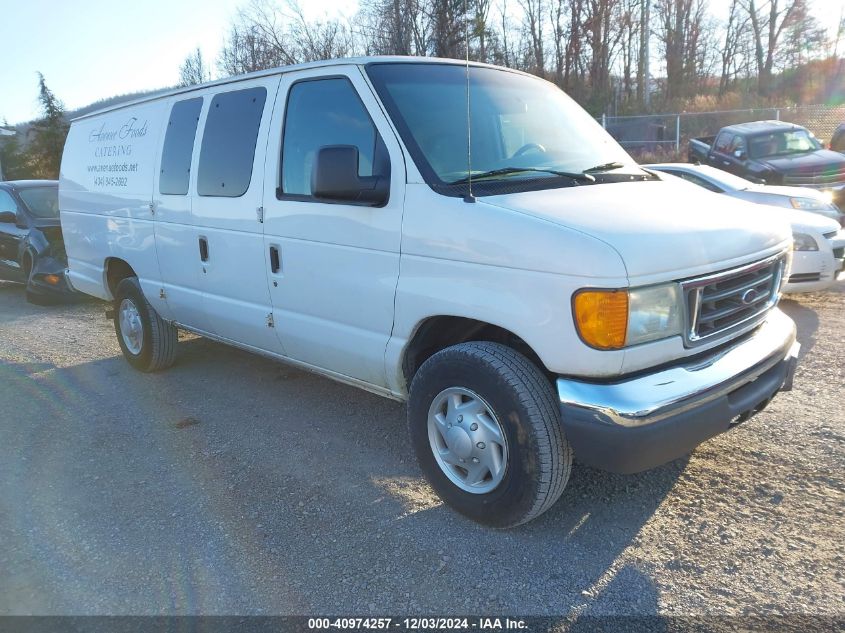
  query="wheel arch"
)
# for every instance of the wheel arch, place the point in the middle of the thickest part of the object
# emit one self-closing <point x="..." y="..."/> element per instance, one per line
<point x="435" y="333"/>
<point x="116" y="270"/>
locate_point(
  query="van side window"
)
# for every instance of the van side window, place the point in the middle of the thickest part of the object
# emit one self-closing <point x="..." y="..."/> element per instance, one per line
<point x="228" y="143"/>
<point x="326" y="112"/>
<point x="179" y="146"/>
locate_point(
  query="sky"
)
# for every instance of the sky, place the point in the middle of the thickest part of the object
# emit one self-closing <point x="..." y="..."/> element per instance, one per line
<point x="94" y="49"/>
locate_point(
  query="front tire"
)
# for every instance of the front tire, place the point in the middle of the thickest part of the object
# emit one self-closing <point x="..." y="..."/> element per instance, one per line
<point x="147" y="341"/>
<point x="476" y="406"/>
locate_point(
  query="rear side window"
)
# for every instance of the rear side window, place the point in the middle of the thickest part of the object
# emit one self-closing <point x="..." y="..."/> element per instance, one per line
<point x="319" y="113"/>
<point x="723" y="142"/>
<point x="228" y="143"/>
<point x="179" y="146"/>
<point x="698" y="181"/>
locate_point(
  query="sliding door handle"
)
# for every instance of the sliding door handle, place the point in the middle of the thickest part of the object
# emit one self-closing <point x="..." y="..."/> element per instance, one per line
<point x="275" y="262"/>
<point x="203" y="249"/>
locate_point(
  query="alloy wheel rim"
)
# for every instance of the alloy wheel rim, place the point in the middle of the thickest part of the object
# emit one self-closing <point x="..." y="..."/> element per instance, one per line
<point x="131" y="328"/>
<point x="467" y="440"/>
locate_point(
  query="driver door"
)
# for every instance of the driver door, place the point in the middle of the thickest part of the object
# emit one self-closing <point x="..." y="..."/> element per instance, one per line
<point x="333" y="266"/>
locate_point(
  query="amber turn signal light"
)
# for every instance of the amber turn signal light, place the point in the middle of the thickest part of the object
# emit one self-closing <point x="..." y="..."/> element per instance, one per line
<point x="602" y="317"/>
<point x="52" y="279"/>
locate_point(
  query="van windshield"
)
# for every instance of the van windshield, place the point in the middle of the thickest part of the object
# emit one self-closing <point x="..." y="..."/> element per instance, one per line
<point x="523" y="129"/>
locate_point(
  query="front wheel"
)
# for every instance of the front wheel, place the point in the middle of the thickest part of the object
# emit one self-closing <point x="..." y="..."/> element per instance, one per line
<point x="147" y="341"/>
<point x="485" y="426"/>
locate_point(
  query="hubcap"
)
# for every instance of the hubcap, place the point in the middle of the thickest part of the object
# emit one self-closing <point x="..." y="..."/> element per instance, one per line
<point x="131" y="328"/>
<point x="467" y="440"/>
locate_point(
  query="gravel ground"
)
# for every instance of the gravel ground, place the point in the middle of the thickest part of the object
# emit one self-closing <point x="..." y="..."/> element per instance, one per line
<point x="233" y="485"/>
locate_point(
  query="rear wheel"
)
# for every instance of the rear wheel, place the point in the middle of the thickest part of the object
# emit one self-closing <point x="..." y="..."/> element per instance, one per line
<point x="147" y="341"/>
<point x="485" y="426"/>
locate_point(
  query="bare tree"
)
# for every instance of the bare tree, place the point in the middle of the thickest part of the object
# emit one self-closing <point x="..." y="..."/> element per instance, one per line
<point x="194" y="70"/>
<point x="394" y="27"/>
<point x="448" y="27"/>
<point x="683" y="29"/>
<point x="533" y="13"/>
<point x="266" y="35"/>
<point x="768" y="20"/>
<point x="644" y="60"/>
<point x="736" y="31"/>
<point x="601" y="24"/>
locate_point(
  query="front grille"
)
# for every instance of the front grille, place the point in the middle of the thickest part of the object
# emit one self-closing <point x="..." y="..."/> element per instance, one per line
<point x="814" y="179"/>
<point x="724" y="302"/>
<point x="839" y="253"/>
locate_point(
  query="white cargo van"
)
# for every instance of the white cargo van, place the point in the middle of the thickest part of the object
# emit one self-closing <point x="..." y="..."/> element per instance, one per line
<point x="536" y="297"/>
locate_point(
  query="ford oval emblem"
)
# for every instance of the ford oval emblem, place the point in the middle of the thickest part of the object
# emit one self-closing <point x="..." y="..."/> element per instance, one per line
<point x="749" y="296"/>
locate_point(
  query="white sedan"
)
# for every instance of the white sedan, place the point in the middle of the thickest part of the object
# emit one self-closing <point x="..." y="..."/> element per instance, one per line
<point x="818" y="251"/>
<point x="718" y="181"/>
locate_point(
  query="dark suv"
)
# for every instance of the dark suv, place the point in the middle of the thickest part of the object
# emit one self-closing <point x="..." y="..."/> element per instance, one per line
<point x="31" y="245"/>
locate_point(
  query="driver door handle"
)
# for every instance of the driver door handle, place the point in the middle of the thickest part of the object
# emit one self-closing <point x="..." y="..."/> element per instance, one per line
<point x="203" y="249"/>
<point x="275" y="261"/>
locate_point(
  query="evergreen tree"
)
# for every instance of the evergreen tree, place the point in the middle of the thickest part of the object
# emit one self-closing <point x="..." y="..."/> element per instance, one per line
<point x="12" y="159"/>
<point x="48" y="135"/>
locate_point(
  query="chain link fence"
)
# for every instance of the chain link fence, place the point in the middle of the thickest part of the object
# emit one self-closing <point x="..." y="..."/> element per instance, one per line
<point x="664" y="137"/>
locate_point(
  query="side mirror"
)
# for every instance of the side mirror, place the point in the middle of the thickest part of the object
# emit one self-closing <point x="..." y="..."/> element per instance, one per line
<point x="8" y="217"/>
<point x="335" y="177"/>
<point x="739" y="154"/>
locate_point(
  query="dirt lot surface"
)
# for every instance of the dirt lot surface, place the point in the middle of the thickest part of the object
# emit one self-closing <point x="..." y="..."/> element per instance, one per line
<point x="232" y="484"/>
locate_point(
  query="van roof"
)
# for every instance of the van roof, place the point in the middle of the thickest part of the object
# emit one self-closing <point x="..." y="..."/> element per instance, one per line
<point x="358" y="61"/>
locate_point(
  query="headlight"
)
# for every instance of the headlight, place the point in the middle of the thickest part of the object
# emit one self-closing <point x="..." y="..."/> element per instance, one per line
<point x="613" y="319"/>
<point x="803" y="242"/>
<point x="654" y="313"/>
<point x="809" y="204"/>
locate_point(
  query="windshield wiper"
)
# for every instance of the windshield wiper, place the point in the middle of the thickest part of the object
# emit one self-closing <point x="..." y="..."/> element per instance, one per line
<point x="605" y="167"/>
<point x="504" y="171"/>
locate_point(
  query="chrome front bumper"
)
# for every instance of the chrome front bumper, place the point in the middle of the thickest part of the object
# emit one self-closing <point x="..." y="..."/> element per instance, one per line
<point x="641" y="422"/>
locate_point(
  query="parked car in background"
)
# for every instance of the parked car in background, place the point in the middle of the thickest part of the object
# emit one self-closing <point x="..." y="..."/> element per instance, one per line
<point x="31" y="246"/>
<point x="818" y="250"/>
<point x="719" y="181"/>
<point x="773" y="153"/>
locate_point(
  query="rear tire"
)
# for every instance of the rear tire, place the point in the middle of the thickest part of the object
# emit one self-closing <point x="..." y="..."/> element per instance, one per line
<point x="147" y="341"/>
<point x="514" y="396"/>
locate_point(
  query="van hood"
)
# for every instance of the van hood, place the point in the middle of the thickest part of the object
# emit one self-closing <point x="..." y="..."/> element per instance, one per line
<point x="657" y="226"/>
